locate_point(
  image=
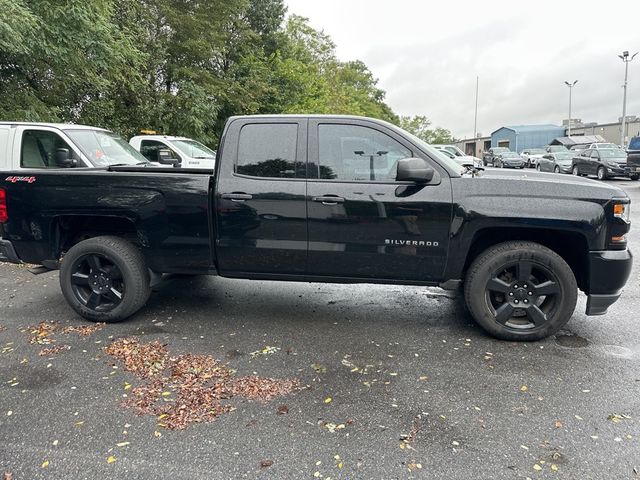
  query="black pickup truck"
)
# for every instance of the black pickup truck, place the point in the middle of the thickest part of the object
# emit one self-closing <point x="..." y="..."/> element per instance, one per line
<point x="326" y="199"/>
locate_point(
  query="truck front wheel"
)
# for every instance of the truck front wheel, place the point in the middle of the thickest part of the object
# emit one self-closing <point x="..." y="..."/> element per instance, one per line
<point x="104" y="279"/>
<point x="520" y="290"/>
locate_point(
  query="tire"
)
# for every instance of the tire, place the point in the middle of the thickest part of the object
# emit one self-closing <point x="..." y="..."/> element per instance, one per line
<point x="634" y="177"/>
<point x="538" y="168"/>
<point x="601" y="173"/>
<point x="105" y="279"/>
<point x="556" y="169"/>
<point x="547" y="287"/>
<point x="575" y="171"/>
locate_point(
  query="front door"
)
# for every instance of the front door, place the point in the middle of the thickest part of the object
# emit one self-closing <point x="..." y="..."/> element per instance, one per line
<point x="362" y="223"/>
<point x="260" y="199"/>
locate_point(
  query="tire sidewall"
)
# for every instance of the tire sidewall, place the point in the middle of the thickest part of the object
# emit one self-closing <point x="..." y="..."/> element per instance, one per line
<point x="475" y="290"/>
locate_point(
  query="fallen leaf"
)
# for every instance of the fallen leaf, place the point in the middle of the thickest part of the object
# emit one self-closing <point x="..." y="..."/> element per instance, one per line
<point x="111" y="459"/>
<point x="524" y="388"/>
<point x="7" y="476"/>
<point x="157" y="433"/>
<point x="266" y="463"/>
<point x="45" y="464"/>
<point x="319" y="368"/>
<point x="558" y="424"/>
<point x="55" y="443"/>
<point x="537" y="467"/>
<point x="554" y="467"/>
<point x="328" y="400"/>
<point x="122" y="444"/>
<point x="282" y="410"/>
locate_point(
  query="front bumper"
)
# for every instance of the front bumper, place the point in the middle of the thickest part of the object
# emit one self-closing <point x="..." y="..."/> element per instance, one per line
<point x="7" y="252"/>
<point x="513" y="164"/>
<point x="608" y="273"/>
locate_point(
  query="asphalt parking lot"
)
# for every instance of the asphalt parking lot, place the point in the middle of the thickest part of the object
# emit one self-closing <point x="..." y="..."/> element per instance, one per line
<point x="395" y="382"/>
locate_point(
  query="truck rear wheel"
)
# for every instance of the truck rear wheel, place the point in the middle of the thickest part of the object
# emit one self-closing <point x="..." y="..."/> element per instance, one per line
<point x="104" y="279"/>
<point x="520" y="290"/>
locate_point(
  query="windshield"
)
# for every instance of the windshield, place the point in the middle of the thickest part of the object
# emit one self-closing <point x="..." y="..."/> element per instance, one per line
<point x="104" y="148"/>
<point x="612" y="153"/>
<point x="634" y="144"/>
<point x="536" y="151"/>
<point x="500" y="149"/>
<point x="455" y="150"/>
<point x="562" y="156"/>
<point x="510" y="155"/>
<point x="194" y="149"/>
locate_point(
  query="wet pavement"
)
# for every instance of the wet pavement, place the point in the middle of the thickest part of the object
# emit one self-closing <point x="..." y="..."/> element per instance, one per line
<point x="396" y="382"/>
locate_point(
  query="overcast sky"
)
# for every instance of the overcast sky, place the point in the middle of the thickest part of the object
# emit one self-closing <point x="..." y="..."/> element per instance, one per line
<point x="427" y="55"/>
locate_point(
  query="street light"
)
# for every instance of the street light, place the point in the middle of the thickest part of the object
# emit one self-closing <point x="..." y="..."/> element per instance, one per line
<point x="625" y="58"/>
<point x="570" y="85"/>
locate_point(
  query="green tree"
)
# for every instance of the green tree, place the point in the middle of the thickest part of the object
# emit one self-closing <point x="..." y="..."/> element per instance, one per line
<point x="420" y="126"/>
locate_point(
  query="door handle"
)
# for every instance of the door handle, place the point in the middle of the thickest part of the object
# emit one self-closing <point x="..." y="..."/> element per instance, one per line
<point x="236" y="197"/>
<point x="328" y="199"/>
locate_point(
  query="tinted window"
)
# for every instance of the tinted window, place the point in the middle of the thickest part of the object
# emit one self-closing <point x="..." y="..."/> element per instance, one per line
<point x="354" y="153"/>
<point x="634" y="144"/>
<point x="269" y="150"/>
<point x="594" y="154"/>
<point x="39" y="149"/>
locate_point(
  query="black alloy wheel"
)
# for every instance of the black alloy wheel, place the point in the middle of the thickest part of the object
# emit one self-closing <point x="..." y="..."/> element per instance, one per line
<point x="602" y="173"/>
<point x="97" y="283"/>
<point x="522" y="294"/>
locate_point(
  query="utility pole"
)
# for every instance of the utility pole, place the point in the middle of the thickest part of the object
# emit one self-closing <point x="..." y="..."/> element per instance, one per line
<point x="625" y="58"/>
<point x="570" y="85"/>
<point x="475" y="121"/>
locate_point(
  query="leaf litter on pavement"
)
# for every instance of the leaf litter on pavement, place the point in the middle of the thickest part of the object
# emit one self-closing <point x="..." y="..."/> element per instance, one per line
<point x="187" y="388"/>
<point x="45" y="333"/>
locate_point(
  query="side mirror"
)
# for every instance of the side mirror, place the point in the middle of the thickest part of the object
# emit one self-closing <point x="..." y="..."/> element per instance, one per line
<point x="414" y="170"/>
<point x="63" y="158"/>
<point x="166" y="157"/>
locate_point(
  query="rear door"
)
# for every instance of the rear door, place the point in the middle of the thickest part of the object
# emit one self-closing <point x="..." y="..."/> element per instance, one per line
<point x="594" y="161"/>
<point x="364" y="224"/>
<point x="261" y="217"/>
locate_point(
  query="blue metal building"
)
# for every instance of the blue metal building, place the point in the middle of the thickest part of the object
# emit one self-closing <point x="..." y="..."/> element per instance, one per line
<point x="519" y="137"/>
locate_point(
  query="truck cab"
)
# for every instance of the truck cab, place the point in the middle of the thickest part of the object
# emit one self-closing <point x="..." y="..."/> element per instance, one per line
<point x="28" y="146"/>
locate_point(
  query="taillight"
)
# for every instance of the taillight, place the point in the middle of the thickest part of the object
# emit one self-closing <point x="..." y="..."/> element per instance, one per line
<point x="4" y="216"/>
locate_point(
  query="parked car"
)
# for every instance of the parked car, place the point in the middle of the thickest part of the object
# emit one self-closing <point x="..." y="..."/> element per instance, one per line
<point x="601" y="145"/>
<point x="603" y="163"/>
<point x="509" y="160"/>
<point x="181" y="151"/>
<point x="450" y="148"/>
<point x="489" y="156"/>
<point x="558" y="162"/>
<point x="464" y="160"/>
<point x="327" y="199"/>
<point x="532" y="155"/>
<point x="633" y="157"/>
<point x="555" y="148"/>
<point x="27" y="146"/>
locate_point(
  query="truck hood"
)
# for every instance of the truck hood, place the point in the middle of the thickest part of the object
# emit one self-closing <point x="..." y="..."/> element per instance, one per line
<point x="532" y="184"/>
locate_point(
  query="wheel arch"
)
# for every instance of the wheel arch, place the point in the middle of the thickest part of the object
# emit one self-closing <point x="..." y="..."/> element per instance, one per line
<point x="571" y="246"/>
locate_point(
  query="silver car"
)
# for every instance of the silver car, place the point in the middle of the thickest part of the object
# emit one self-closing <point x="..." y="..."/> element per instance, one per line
<point x="558" y="162"/>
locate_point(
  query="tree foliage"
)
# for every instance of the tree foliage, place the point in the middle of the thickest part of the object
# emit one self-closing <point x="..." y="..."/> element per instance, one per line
<point x="420" y="126"/>
<point x="176" y="66"/>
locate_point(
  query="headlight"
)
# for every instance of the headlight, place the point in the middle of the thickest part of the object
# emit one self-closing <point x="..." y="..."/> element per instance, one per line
<point x="621" y="210"/>
<point x="612" y="164"/>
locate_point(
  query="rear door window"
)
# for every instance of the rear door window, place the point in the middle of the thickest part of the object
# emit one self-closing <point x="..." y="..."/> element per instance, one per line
<point x="269" y="150"/>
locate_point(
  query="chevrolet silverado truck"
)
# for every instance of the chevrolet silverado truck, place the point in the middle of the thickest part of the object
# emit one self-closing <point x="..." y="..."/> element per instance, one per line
<point x="326" y="199"/>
